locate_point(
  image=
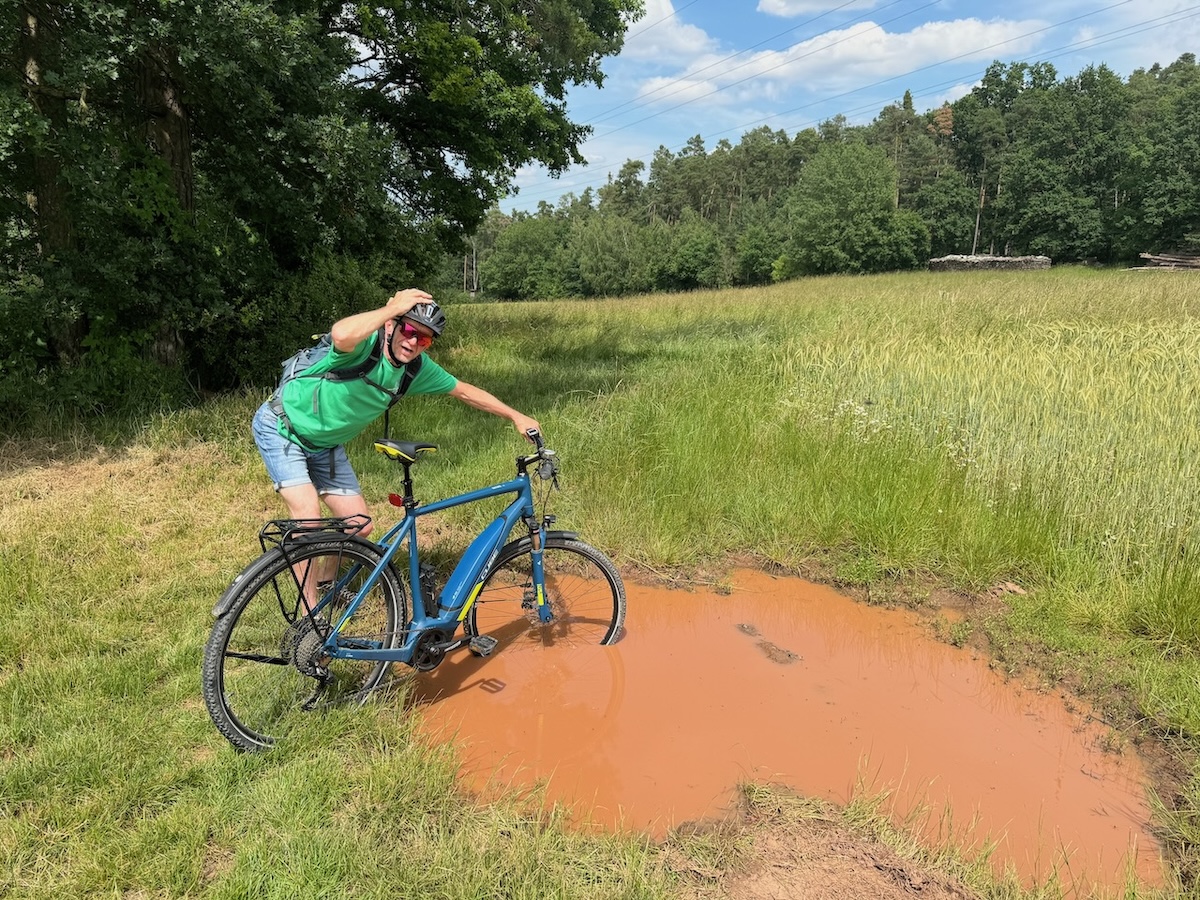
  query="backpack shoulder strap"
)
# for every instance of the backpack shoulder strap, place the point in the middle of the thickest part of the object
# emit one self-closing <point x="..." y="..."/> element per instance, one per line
<point x="359" y="370"/>
<point x="410" y="372"/>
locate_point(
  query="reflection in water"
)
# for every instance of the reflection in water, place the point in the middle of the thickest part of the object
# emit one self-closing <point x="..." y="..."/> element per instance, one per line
<point x="788" y="682"/>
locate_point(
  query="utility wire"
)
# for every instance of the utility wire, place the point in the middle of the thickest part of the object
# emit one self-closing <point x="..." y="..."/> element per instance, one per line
<point x="931" y="90"/>
<point x="927" y="91"/>
<point x="850" y="37"/>
<point x="658" y="22"/>
<point x="1127" y="31"/>
<point x="643" y="100"/>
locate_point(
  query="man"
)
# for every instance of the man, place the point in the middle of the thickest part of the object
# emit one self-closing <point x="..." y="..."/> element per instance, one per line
<point x="302" y="429"/>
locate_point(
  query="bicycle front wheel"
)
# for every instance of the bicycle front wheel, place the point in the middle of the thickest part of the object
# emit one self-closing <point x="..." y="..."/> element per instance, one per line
<point x="265" y="664"/>
<point x="583" y="589"/>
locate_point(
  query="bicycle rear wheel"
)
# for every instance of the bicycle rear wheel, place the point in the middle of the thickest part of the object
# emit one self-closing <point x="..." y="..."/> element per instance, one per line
<point x="583" y="588"/>
<point x="264" y="663"/>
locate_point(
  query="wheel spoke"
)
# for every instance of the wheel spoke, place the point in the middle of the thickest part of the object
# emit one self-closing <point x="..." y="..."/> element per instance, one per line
<point x="260" y="668"/>
<point x="583" y="589"/>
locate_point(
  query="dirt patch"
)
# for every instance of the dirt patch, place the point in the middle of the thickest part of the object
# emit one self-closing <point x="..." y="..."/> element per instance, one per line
<point x="813" y="855"/>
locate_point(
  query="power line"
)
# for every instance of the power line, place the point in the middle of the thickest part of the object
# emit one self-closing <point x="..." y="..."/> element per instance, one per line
<point x="1127" y="31"/>
<point x="643" y="100"/>
<point x="931" y="90"/>
<point x="560" y="187"/>
<point x="658" y="22"/>
<point x="851" y="37"/>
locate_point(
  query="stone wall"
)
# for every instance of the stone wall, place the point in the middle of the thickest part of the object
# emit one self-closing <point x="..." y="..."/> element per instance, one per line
<point x="959" y="263"/>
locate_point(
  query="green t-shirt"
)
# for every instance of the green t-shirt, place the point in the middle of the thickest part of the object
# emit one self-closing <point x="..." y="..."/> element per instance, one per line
<point x="327" y="413"/>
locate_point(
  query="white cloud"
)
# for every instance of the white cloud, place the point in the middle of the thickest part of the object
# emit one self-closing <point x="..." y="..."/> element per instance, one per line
<point x="660" y="36"/>
<point x="935" y="101"/>
<point x="696" y="87"/>
<point x="1155" y="33"/>
<point x="837" y="60"/>
<point x="606" y="154"/>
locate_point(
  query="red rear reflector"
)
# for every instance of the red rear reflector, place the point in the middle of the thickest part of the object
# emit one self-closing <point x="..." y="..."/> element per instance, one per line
<point x="395" y="500"/>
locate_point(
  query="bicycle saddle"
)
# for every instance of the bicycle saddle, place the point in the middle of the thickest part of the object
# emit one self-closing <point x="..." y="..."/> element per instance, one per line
<point x="403" y="451"/>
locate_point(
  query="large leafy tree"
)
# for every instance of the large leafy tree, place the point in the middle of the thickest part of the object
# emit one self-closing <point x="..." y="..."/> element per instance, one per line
<point x="1066" y="181"/>
<point x="985" y="123"/>
<point x="528" y="259"/>
<point x="617" y="255"/>
<point x="173" y="175"/>
<point x="843" y="217"/>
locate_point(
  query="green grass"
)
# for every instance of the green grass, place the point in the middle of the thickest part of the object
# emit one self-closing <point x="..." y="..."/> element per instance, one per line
<point x="1039" y="428"/>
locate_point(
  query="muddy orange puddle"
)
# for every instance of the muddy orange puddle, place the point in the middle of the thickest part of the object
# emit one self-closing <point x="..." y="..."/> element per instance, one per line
<point x="789" y="682"/>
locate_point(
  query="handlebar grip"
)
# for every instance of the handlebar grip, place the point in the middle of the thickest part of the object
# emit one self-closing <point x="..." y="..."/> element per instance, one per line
<point x="536" y="437"/>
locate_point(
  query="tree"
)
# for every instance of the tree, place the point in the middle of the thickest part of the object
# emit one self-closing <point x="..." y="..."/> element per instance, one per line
<point x="1085" y="168"/>
<point x="1044" y="214"/>
<point x="528" y="259"/>
<point x="984" y="127"/>
<point x="1166" y="196"/>
<point x="169" y="170"/>
<point x="696" y="256"/>
<point x="947" y="206"/>
<point x="756" y="251"/>
<point x="616" y="256"/>
<point x="842" y="217"/>
<point x="1066" y="168"/>
<point x="762" y="165"/>
<point x="626" y="195"/>
<point x="893" y="131"/>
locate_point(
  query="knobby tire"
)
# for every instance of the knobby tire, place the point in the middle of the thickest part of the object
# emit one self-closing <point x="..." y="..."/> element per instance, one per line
<point x="252" y="684"/>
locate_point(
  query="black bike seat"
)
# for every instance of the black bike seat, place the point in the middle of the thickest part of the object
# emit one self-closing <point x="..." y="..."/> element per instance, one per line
<point x="403" y="451"/>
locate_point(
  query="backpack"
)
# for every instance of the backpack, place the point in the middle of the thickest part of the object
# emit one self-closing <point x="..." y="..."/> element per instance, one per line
<point x="298" y="364"/>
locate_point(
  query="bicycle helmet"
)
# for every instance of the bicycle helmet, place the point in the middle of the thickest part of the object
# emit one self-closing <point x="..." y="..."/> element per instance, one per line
<point x="428" y="314"/>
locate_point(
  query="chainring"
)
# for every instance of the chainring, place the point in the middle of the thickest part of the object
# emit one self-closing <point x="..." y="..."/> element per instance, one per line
<point x="428" y="654"/>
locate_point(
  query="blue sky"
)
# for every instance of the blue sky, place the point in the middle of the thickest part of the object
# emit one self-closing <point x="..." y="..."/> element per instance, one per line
<point x="719" y="68"/>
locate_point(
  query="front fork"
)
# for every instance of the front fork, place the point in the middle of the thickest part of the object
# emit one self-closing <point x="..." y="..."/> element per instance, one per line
<point x="537" y="540"/>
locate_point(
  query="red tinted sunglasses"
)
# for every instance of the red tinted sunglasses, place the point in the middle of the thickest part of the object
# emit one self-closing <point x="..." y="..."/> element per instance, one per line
<point x="406" y="331"/>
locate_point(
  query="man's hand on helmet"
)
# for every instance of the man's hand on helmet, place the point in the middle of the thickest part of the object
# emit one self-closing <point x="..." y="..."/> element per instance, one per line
<point x="402" y="302"/>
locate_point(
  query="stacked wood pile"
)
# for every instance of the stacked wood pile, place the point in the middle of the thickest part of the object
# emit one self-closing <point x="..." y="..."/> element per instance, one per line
<point x="959" y="263"/>
<point x="1172" y="260"/>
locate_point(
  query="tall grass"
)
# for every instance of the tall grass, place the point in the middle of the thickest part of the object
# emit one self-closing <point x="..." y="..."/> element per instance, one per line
<point x="1038" y="428"/>
<point x="1063" y="398"/>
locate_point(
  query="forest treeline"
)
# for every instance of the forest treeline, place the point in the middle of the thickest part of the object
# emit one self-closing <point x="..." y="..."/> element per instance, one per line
<point x="1083" y="168"/>
<point x="189" y="191"/>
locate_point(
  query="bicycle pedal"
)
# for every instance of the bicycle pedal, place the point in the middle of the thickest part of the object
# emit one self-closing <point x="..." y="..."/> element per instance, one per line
<point x="482" y="645"/>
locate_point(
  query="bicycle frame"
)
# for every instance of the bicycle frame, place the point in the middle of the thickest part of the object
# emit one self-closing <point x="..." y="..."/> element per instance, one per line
<point x="464" y="583"/>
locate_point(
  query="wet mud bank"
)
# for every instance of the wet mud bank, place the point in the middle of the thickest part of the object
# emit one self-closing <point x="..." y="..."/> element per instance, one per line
<point x="790" y="683"/>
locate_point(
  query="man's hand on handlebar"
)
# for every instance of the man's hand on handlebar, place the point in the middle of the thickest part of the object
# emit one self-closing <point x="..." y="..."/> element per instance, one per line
<point x="534" y="436"/>
<point x="524" y="425"/>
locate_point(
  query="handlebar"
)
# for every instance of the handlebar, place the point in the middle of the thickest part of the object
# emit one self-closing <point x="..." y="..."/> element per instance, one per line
<point x="546" y="459"/>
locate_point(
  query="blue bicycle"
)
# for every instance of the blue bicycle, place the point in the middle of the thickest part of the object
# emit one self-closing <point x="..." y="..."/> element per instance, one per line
<point x="319" y="618"/>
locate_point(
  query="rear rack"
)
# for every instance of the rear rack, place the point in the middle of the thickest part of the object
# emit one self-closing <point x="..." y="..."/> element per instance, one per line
<point x="281" y="532"/>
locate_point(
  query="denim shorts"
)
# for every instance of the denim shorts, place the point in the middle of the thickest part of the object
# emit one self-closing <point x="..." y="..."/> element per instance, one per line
<point x="290" y="464"/>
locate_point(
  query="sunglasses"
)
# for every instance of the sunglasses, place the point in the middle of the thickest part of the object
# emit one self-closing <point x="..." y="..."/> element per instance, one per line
<point x="406" y="331"/>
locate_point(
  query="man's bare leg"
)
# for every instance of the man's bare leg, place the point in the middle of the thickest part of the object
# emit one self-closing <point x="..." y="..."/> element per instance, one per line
<point x="303" y="502"/>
